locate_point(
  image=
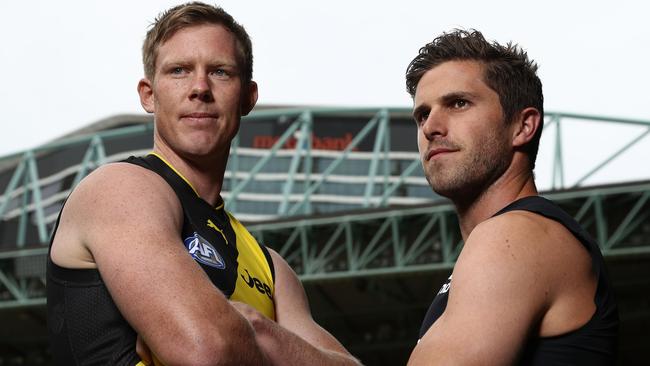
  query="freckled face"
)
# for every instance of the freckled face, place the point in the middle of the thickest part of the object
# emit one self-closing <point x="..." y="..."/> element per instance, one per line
<point x="196" y="94"/>
<point x="463" y="140"/>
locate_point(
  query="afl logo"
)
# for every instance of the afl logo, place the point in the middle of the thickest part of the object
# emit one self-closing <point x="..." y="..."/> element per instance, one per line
<point x="202" y="251"/>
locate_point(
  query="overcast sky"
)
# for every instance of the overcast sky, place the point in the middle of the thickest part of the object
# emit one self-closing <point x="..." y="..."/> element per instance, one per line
<point x="70" y="63"/>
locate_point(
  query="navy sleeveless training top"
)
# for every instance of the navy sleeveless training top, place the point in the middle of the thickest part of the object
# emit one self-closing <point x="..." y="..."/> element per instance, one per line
<point x="595" y="343"/>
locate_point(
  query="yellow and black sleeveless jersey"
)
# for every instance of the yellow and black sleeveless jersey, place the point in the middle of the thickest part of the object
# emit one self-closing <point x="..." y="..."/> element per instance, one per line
<point x="219" y="243"/>
<point x="84" y="324"/>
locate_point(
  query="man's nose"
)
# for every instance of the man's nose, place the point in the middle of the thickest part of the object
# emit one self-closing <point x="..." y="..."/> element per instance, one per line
<point x="434" y="125"/>
<point x="201" y="89"/>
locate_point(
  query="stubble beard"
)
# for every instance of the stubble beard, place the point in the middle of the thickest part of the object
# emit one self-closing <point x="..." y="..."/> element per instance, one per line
<point x="465" y="181"/>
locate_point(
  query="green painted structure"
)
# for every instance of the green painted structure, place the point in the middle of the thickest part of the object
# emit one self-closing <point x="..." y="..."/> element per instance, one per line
<point x="341" y="195"/>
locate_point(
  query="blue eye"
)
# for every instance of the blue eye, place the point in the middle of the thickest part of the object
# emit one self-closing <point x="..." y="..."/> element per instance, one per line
<point x="177" y="70"/>
<point x="219" y="72"/>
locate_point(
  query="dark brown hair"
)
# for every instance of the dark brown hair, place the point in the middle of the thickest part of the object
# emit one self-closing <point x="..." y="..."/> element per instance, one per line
<point x="191" y="14"/>
<point x="507" y="70"/>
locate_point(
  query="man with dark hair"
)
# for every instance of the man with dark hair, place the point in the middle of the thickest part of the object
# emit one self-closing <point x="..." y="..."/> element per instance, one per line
<point x="144" y="248"/>
<point x="530" y="285"/>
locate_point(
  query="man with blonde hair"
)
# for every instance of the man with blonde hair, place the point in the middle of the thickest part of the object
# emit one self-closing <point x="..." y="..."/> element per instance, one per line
<point x="144" y="248"/>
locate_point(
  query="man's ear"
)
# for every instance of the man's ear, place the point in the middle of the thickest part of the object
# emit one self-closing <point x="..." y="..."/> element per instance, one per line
<point x="527" y="123"/>
<point x="145" y="90"/>
<point x="249" y="98"/>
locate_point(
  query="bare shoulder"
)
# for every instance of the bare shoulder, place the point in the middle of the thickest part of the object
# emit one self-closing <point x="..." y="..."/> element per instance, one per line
<point x="292" y="309"/>
<point x="520" y="247"/>
<point x="499" y="238"/>
<point x="497" y="296"/>
<point x="517" y="274"/>
<point x="120" y="178"/>
<point x="505" y="260"/>
<point x="291" y="305"/>
<point x="109" y="202"/>
<point x="288" y="288"/>
<point x="520" y="252"/>
<point x="525" y="237"/>
<point x="281" y="267"/>
<point x="129" y="221"/>
<point x="519" y="234"/>
<point x="118" y="188"/>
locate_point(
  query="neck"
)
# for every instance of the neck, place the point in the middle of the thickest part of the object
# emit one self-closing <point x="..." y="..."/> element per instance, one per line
<point x="505" y="190"/>
<point x="205" y="174"/>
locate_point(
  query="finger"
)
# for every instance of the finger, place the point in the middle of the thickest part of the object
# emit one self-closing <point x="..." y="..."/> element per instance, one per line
<point x="143" y="351"/>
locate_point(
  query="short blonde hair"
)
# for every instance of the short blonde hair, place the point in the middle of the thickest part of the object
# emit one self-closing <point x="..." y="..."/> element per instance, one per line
<point x="191" y="14"/>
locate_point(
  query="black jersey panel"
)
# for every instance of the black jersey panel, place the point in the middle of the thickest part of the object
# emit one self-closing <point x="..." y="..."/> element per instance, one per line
<point x="596" y="342"/>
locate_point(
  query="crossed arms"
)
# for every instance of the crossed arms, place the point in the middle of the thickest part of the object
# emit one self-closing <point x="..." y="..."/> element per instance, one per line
<point x="124" y="221"/>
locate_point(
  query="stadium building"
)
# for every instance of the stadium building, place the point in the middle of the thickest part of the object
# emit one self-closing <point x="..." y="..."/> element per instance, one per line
<point x="340" y="193"/>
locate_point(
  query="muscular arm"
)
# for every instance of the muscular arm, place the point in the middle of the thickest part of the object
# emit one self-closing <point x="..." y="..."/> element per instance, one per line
<point x="296" y="339"/>
<point x="129" y="221"/>
<point x="500" y="290"/>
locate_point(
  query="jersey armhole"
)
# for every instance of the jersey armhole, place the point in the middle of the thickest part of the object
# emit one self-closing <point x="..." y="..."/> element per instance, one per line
<point x="56" y="227"/>
<point x="269" y="260"/>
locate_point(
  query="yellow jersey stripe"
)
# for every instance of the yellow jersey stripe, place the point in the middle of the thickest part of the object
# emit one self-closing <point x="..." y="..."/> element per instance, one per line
<point x="175" y="171"/>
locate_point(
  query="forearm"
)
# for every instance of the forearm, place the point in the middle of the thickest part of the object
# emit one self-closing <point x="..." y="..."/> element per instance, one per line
<point x="243" y="348"/>
<point x="282" y="347"/>
<point x="235" y="344"/>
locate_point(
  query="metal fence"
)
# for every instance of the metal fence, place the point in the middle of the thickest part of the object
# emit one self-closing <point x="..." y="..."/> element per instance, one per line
<point x="345" y="212"/>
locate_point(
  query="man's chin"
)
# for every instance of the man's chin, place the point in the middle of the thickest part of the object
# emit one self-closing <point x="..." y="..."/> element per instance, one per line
<point x="439" y="184"/>
<point x="449" y="188"/>
<point x="444" y="192"/>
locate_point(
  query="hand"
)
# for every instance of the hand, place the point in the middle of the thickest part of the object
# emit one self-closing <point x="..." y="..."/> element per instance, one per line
<point x="256" y="318"/>
<point x="146" y="356"/>
<point x="143" y="351"/>
<point x="282" y="347"/>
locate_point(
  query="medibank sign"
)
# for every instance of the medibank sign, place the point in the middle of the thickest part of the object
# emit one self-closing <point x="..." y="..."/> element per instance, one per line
<point x="317" y="142"/>
<point x="333" y="133"/>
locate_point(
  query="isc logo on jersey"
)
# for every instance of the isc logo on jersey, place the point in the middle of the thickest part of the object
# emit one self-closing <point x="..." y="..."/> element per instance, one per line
<point x="202" y="251"/>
